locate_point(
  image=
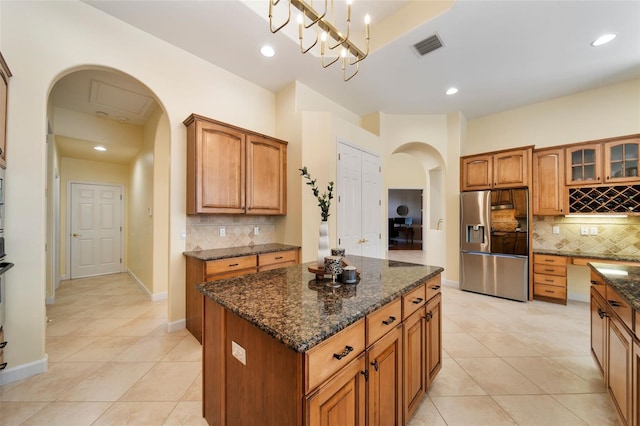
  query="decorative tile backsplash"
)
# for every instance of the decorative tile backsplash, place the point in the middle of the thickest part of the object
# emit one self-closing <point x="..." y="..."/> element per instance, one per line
<point x="203" y="232"/>
<point x="620" y="236"/>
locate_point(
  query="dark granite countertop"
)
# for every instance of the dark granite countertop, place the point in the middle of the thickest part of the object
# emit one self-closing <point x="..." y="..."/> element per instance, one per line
<point x="623" y="278"/>
<point x="225" y="253"/>
<point x="292" y="306"/>
<point x="601" y="256"/>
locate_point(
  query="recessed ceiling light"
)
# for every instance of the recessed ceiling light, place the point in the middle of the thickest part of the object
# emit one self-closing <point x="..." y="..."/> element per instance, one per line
<point x="101" y="114"/>
<point x="451" y="91"/>
<point x="99" y="148"/>
<point x="267" y="51"/>
<point x="123" y="119"/>
<point x="603" y="39"/>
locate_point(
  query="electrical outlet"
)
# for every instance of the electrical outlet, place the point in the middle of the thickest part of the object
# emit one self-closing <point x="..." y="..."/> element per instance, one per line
<point x="584" y="230"/>
<point x="555" y="229"/>
<point x="239" y="352"/>
<point x="223" y="231"/>
<point x="256" y="230"/>
<point x="593" y="230"/>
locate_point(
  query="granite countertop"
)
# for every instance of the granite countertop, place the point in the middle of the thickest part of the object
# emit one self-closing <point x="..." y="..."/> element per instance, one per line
<point x="624" y="279"/>
<point x="225" y="253"/>
<point x="601" y="256"/>
<point x="292" y="306"/>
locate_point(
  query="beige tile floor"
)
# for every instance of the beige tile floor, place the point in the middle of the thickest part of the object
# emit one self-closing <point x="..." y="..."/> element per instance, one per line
<point x="111" y="362"/>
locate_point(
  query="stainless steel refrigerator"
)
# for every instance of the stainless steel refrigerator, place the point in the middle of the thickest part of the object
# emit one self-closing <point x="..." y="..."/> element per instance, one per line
<point x="494" y="243"/>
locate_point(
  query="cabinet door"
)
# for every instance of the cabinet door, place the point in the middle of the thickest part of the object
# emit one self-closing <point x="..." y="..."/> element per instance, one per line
<point x="598" y="329"/>
<point x="511" y="169"/>
<point x="216" y="169"/>
<point x="621" y="160"/>
<point x="584" y="166"/>
<point x="341" y="401"/>
<point x="548" y="182"/>
<point x="619" y="367"/>
<point x="266" y="176"/>
<point x="636" y="383"/>
<point x="433" y="339"/>
<point x="414" y="362"/>
<point x="384" y="362"/>
<point x="477" y="173"/>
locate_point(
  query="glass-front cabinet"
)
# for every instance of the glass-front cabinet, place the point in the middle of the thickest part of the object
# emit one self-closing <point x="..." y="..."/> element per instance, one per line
<point x="621" y="160"/>
<point x="583" y="165"/>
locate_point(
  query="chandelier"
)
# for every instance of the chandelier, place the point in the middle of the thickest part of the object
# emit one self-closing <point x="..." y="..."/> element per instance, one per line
<point x="331" y="38"/>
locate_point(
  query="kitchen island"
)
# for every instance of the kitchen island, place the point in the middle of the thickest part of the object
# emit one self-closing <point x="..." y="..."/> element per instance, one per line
<point x="282" y="348"/>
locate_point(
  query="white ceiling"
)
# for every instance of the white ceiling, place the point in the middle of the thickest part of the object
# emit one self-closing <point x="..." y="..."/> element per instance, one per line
<point x="500" y="54"/>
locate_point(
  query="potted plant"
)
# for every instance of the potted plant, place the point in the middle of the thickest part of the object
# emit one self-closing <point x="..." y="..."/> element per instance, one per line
<point x="324" y="202"/>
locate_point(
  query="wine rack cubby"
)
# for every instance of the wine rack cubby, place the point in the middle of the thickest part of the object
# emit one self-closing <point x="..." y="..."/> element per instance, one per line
<point x="605" y="199"/>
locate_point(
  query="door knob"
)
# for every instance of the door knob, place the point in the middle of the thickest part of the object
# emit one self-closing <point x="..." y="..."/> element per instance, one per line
<point x="76" y="235"/>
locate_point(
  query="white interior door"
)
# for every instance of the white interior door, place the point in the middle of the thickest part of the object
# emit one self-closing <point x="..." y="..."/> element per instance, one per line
<point x="95" y="229"/>
<point x="359" y="183"/>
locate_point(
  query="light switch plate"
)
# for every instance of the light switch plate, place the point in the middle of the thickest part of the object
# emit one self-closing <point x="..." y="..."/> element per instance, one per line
<point x="593" y="230"/>
<point x="555" y="229"/>
<point x="256" y="230"/>
<point x="223" y="232"/>
<point x="239" y="352"/>
<point x="584" y="230"/>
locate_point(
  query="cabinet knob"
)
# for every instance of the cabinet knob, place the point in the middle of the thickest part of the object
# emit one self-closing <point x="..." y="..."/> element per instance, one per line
<point x="375" y="364"/>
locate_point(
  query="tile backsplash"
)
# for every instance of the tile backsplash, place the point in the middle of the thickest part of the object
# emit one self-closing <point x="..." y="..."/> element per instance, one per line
<point x="620" y="236"/>
<point x="203" y="232"/>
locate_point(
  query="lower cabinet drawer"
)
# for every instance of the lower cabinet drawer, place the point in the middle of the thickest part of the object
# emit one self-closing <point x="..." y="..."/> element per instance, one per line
<point x="550" y="269"/>
<point x="278" y="259"/>
<point x="322" y="361"/>
<point x="433" y="287"/>
<point x="232" y="267"/>
<point x="550" y="280"/>
<point x="413" y="301"/>
<point x="550" y="291"/>
<point x="383" y="320"/>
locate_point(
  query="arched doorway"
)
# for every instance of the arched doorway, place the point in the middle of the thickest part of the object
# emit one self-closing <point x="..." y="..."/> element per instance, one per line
<point x="91" y="107"/>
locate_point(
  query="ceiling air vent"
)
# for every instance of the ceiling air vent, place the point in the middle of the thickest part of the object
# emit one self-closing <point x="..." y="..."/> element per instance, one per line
<point x="428" y="45"/>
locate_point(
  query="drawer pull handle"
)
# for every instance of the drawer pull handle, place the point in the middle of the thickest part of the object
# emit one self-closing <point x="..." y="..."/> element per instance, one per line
<point x="389" y="321"/>
<point x="548" y="280"/>
<point x="549" y="260"/>
<point x="602" y="313"/>
<point x="615" y="304"/>
<point x="375" y="364"/>
<point x="548" y="270"/>
<point x="234" y="264"/>
<point x="594" y="282"/>
<point x="279" y="257"/>
<point x="418" y="301"/>
<point x="3" y="345"/>
<point x="3" y="366"/>
<point x="435" y="287"/>
<point x="548" y="291"/>
<point x="347" y="351"/>
<point x="429" y="315"/>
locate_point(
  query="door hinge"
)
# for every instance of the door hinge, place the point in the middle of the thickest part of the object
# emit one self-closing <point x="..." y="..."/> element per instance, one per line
<point x="121" y="229"/>
<point x="379" y="202"/>
<point x="121" y="260"/>
<point x="380" y="169"/>
<point x="338" y="241"/>
<point x="339" y="198"/>
<point x="379" y="236"/>
<point x="338" y="157"/>
<point x="120" y="197"/>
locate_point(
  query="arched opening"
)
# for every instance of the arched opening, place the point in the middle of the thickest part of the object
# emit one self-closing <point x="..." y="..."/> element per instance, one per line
<point x="419" y="166"/>
<point x="91" y="107"/>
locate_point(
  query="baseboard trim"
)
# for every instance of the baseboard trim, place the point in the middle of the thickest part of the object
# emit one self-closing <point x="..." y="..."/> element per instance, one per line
<point x="449" y="283"/>
<point x="578" y="297"/>
<point x="153" y="297"/>
<point x="24" y="371"/>
<point x="50" y="300"/>
<point x="64" y="277"/>
<point x="176" y="325"/>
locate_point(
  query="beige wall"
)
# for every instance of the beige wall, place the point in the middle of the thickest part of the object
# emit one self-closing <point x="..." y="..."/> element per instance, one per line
<point x="161" y="205"/>
<point x="73" y="170"/>
<point x="42" y="41"/>
<point x="595" y="114"/>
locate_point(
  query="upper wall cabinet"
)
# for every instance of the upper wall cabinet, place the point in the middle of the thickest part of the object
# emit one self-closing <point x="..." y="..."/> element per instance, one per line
<point x="621" y="160"/>
<point x="583" y="164"/>
<point x="548" y="182"/>
<point x="233" y="171"/>
<point x="5" y="74"/>
<point x="505" y="169"/>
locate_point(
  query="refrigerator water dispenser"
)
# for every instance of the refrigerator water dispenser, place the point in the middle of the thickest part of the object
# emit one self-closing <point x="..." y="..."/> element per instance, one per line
<point x="475" y="234"/>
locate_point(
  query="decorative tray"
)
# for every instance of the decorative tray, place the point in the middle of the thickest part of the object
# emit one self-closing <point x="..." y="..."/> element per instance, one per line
<point x="313" y="268"/>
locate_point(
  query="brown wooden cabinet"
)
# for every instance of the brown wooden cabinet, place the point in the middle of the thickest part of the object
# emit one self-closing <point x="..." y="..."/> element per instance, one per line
<point x="621" y="160"/>
<point x="548" y="182"/>
<point x="384" y="387"/>
<point x="233" y="171"/>
<point x="619" y="364"/>
<point x="5" y="74"/>
<point x="199" y="271"/>
<point x="341" y="401"/>
<point x="433" y="340"/>
<point x="504" y="169"/>
<point x="635" y="382"/>
<point x="414" y="361"/>
<point x="3" y="343"/>
<point x="583" y="164"/>
<point x="550" y="278"/>
<point x="598" y="329"/>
